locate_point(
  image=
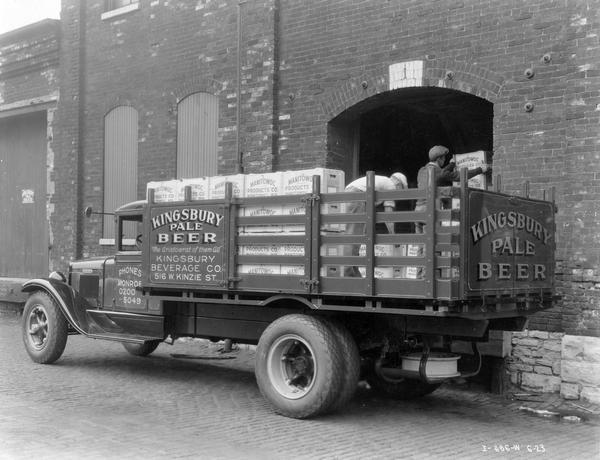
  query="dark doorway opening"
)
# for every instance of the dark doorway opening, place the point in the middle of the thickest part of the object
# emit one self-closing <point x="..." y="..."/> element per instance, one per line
<point x="393" y="131"/>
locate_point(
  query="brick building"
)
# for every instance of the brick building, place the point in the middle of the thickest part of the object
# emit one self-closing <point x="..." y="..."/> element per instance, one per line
<point x="157" y="89"/>
<point x="29" y="61"/>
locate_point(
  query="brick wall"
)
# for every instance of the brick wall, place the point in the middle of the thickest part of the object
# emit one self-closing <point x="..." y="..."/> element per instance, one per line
<point x="65" y="222"/>
<point x="580" y="204"/>
<point x="303" y="64"/>
<point x="29" y="82"/>
<point x="327" y="50"/>
<point x="151" y="58"/>
<point x="29" y="62"/>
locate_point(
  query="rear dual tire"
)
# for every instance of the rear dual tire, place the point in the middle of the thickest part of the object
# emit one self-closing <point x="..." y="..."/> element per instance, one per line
<point x="302" y="366"/>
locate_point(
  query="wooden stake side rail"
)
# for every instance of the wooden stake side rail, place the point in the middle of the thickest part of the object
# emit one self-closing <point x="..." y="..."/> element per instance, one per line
<point x="313" y="261"/>
<point x="307" y="253"/>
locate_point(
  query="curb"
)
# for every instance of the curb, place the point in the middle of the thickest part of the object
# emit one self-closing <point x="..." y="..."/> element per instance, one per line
<point x="14" y="309"/>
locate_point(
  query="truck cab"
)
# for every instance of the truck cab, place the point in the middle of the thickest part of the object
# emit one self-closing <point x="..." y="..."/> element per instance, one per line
<point x="123" y="271"/>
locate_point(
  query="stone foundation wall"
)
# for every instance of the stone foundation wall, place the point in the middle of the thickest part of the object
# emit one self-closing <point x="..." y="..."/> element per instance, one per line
<point x="553" y="362"/>
<point x="580" y="368"/>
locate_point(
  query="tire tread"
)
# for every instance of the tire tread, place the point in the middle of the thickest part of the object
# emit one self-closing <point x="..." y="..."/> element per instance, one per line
<point x="57" y="329"/>
<point x="323" y="339"/>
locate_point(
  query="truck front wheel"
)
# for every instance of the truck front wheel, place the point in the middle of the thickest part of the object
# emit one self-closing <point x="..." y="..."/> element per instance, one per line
<point x="141" y="349"/>
<point x="44" y="328"/>
<point x="299" y="367"/>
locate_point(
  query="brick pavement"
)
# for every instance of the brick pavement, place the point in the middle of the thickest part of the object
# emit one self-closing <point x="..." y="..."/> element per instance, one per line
<point x="97" y="402"/>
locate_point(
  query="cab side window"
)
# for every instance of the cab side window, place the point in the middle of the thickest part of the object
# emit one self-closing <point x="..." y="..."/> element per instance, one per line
<point x="129" y="230"/>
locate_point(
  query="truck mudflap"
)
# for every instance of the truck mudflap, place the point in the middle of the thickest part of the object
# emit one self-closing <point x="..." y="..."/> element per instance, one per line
<point x="95" y="323"/>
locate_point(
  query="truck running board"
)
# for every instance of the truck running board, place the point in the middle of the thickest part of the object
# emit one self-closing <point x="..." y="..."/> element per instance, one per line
<point x="122" y="338"/>
<point x="124" y="327"/>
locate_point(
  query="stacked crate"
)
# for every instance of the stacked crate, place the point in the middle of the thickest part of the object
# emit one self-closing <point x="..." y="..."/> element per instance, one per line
<point x="284" y="183"/>
<point x="301" y="183"/>
<point x="166" y="191"/>
<point x="261" y="185"/>
<point x="216" y="186"/>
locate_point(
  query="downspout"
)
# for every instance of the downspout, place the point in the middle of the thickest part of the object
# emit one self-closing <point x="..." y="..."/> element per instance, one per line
<point x="80" y="132"/>
<point x="239" y="153"/>
<point x="276" y="82"/>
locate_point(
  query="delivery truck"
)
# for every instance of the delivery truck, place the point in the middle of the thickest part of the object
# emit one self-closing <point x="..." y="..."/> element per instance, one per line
<point x="217" y="267"/>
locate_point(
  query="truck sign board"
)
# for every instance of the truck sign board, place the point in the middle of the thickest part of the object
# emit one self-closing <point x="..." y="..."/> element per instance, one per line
<point x="509" y="243"/>
<point x="186" y="245"/>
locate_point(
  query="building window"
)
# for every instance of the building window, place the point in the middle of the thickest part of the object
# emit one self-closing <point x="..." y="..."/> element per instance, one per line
<point x="197" y="135"/>
<point x="114" y="8"/>
<point x="120" y="162"/>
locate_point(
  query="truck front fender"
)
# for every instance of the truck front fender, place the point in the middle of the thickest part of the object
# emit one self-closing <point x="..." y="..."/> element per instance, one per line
<point x="70" y="303"/>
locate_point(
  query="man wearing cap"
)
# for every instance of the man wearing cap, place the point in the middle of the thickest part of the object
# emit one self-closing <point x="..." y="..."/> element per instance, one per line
<point x="396" y="181"/>
<point x="444" y="175"/>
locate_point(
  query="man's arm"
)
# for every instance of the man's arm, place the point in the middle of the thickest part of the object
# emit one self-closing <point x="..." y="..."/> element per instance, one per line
<point x="450" y="173"/>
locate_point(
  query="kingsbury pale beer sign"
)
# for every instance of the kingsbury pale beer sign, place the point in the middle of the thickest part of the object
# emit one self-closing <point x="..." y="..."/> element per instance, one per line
<point x="186" y="245"/>
<point x="510" y="243"/>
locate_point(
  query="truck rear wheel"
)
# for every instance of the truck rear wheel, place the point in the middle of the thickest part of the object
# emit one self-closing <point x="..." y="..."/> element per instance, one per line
<point x="44" y="328"/>
<point x="299" y="366"/>
<point x="141" y="349"/>
<point x="351" y="360"/>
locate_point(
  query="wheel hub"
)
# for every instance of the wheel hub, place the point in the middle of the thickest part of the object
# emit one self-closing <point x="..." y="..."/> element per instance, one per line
<point x="301" y="365"/>
<point x="291" y="366"/>
<point x="38" y="327"/>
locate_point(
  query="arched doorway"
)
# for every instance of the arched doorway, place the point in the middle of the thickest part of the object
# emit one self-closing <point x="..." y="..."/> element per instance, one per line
<point x="393" y="131"/>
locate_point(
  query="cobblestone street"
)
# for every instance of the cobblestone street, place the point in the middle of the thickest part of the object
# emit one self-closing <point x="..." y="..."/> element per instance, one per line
<point x="98" y="402"/>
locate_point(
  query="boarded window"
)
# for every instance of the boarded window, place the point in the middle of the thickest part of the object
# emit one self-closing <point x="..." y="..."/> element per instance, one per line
<point x="120" y="162"/>
<point x="197" y="135"/>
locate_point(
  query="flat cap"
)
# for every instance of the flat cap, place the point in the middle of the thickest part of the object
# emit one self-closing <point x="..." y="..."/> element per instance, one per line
<point x="437" y="151"/>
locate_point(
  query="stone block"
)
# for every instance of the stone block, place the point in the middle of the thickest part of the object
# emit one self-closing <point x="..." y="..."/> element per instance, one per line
<point x="591" y="349"/>
<point x="556" y="367"/>
<point x="523" y="367"/>
<point x="527" y="342"/>
<point x="538" y="334"/>
<point x="520" y="352"/>
<point x="569" y="390"/>
<point x="572" y="348"/>
<point x="548" y="358"/>
<point x="552" y="345"/>
<point x="519" y="334"/>
<point x="580" y="372"/>
<point x="544" y="383"/>
<point x="545" y="370"/>
<point x="591" y="394"/>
